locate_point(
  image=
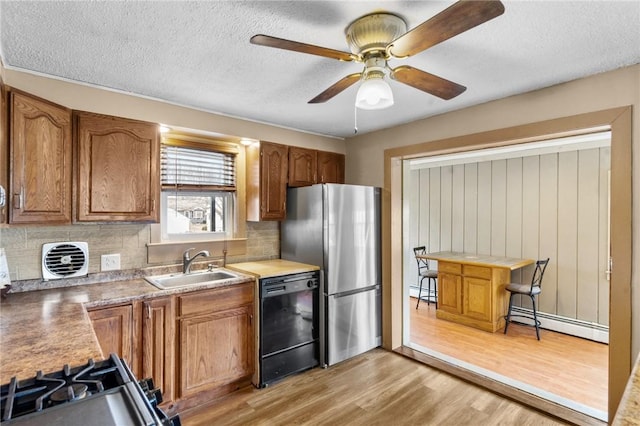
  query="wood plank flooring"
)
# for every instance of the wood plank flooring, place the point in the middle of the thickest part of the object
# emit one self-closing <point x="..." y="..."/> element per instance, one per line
<point x="570" y="367"/>
<point x="376" y="388"/>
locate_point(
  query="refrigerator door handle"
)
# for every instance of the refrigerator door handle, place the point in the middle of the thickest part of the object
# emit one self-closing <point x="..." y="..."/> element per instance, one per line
<point x="359" y="290"/>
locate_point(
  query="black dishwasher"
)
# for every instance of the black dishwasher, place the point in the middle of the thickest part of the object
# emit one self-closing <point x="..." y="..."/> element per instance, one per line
<point x="289" y="325"/>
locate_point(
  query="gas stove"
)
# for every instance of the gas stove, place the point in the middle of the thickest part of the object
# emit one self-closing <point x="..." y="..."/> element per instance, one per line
<point x="102" y="393"/>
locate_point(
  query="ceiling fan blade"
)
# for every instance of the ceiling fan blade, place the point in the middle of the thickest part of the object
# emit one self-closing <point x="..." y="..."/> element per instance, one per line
<point x="280" y="43"/>
<point x="426" y="82"/>
<point x="455" y="19"/>
<point x="336" y="88"/>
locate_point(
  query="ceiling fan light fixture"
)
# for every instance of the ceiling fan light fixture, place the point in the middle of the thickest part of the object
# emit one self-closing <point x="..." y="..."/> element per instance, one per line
<point x="374" y="93"/>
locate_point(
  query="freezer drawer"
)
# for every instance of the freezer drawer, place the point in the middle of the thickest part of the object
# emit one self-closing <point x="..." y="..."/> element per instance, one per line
<point x="353" y="324"/>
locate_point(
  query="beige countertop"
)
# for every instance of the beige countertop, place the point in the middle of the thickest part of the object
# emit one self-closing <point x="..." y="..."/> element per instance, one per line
<point x="272" y="268"/>
<point x="45" y="329"/>
<point x="479" y="259"/>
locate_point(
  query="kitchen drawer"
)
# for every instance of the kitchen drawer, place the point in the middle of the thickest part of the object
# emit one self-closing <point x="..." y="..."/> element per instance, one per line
<point x="450" y="268"/>
<point x="218" y="299"/>
<point x="476" y="271"/>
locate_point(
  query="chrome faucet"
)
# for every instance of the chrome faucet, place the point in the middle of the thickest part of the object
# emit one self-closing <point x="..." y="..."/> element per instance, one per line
<point x="186" y="260"/>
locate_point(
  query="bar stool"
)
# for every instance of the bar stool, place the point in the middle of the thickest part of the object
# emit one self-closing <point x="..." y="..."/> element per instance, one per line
<point x="429" y="274"/>
<point x="531" y="290"/>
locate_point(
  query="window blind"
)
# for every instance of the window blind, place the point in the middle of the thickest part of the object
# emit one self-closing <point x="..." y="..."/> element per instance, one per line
<point x="196" y="168"/>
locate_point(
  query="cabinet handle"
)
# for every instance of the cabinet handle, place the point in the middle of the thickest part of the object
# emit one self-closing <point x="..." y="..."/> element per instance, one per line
<point x="153" y="205"/>
<point x="250" y="319"/>
<point x="148" y="306"/>
<point x="17" y="200"/>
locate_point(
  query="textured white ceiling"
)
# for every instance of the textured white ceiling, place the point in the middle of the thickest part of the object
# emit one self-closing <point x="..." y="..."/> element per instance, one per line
<point x="198" y="54"/>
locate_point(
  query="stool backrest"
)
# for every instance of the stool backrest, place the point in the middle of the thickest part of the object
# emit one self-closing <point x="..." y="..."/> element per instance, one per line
<point x="538" y="273"/>
<point x="422" y="263"/>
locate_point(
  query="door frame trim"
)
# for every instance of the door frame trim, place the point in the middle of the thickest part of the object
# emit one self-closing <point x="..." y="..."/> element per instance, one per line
<point x="619" y="122"/>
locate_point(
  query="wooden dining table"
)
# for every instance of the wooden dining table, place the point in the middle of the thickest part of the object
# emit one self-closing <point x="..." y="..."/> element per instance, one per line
<point x="471" y="287"/>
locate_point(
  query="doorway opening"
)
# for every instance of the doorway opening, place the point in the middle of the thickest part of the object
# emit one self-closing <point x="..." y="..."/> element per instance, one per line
<point x="616" y="120"/>
<point x="533" y="200"/>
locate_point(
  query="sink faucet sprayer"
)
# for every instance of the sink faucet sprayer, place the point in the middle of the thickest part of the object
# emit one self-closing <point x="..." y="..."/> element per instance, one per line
<point x="186" y="260"/>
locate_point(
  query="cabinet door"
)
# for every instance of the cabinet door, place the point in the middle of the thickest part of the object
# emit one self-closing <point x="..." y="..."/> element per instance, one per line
<point x="450" y="292"/>
<point x="118" y="169"/>
<point x="4" y="153"/>
<point x="158" y="333"/>
<point x="273" y="181"/>
<point x="330" y="167"/>
<point x="215" y="349"/>
<point x="477" y="298"/>
<point x="40" y="147"/>
<point x="303" y="166"/>
<point x="114" y="330"/>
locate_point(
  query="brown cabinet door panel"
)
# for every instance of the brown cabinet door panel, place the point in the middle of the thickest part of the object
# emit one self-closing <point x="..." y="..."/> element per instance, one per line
<point x="114" y="329"/>
<point x="477" y="298"/>
<point x="303" y="166"/>
<point x="215" y="350"/>
<point x="273" y="181"/>
<point x="118" y="169"/>
<point x="330" y="167"/>
<point x="40" y="147"/>
<point x="450" y="293"/>
<point x="158" y="334"/>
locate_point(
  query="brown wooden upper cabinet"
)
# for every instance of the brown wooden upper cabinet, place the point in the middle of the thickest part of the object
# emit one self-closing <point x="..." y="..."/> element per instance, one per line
<point x="4" y="153"/>
<point x="40" y="161"/>
<point x="267" y="169"/>
<point x="330" y="167"/>
<point x="118" y="169"/>
<point x="303" y="166"/>
<point x="309" y="166"/>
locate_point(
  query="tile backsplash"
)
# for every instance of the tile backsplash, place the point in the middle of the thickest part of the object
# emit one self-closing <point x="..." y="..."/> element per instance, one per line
<point x="23" y="245"/>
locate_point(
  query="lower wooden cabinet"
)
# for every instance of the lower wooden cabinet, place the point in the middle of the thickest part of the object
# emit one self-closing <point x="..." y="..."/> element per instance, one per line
<point x="114" y="328"/>
<point x="195" y="345"/>
<point x="157" y="344"/>
<point x="450" y="292"/>
<point x="216" y="349"/>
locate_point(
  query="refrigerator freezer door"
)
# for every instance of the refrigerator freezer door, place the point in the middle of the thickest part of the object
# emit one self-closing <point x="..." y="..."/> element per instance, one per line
<point x="302" y="231"/>
<point x="354" y="325"/>
<point x="352" y="237"/>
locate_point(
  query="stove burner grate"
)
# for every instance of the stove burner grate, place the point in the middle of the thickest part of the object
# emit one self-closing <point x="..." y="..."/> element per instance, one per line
<point x="18" y="398"/>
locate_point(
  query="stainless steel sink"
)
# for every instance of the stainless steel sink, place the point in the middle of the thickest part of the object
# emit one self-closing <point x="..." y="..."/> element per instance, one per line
<point x="184" y="280"/>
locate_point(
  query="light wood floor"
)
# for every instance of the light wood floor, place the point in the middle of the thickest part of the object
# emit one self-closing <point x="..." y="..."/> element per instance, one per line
<point x="570" y="367"/>
<point x="376" y="388"/>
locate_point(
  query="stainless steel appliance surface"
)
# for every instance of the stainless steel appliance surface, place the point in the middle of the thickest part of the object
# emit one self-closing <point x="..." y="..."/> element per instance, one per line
<point x="338" y="227"/>
<point x="99" y="393"/>
<point x="289" y="325"/>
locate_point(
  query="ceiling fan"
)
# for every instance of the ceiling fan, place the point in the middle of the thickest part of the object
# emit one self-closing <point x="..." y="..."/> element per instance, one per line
<point x="377" y="37"/>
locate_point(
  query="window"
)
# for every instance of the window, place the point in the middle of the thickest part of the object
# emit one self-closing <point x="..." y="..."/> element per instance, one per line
<point x="198" y="190"/>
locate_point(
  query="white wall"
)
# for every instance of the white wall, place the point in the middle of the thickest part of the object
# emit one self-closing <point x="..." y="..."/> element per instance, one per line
<point x="598" y="92"/>
<point x="551" y="205"/>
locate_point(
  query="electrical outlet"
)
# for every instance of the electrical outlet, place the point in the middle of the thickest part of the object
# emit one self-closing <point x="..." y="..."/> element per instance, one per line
<point x="110" y="262"/>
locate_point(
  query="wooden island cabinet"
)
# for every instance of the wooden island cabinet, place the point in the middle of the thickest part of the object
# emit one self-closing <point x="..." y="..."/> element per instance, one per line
<point x="471" y="288"/>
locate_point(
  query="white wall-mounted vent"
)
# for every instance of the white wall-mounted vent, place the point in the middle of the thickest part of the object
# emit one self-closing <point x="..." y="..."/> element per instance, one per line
<point x="64" y="260"/>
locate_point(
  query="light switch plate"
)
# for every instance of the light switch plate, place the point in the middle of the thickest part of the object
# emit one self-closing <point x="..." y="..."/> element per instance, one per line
<point x="110" y="262"/>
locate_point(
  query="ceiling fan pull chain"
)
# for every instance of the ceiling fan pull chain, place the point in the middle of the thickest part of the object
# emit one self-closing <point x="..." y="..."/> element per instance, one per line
<point x="355" y="120"/>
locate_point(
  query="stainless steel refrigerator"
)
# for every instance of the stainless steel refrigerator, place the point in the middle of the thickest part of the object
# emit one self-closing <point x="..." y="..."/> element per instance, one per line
<point x="337" y="227"/>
